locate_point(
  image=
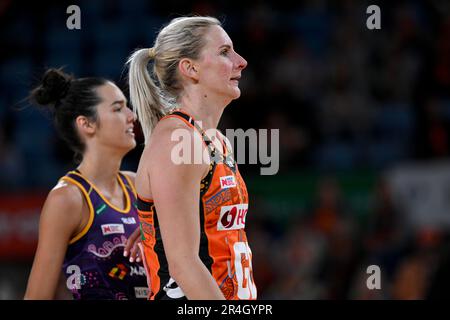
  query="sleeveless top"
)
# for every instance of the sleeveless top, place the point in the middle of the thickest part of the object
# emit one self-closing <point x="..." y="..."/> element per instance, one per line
<point x="94" y="264"/>
<point x="224" y="249"/>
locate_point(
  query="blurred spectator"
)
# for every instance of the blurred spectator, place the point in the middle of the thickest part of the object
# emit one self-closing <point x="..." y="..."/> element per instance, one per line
<point x="11" y="163"/>
<point x="329" y="208"/>
<point x="413" y="276"/>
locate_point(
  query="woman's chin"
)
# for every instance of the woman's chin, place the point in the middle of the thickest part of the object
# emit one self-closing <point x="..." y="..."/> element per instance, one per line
<point x="237" y="93"/>
<point x="130" y="146"/>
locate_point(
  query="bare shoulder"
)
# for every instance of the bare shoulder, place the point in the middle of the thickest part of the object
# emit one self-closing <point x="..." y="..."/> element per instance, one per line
<point x="156" y="156"/>
<point x="159" y="144"/>
<point x="65" y="203"/>
<point x="167" y="129"/>
<point x="172" y="132"/>
<point x="62" y="213"/>
<point x="65" y="194"/>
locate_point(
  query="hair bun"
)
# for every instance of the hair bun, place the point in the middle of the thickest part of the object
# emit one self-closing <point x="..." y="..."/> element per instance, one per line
<point x="54" y="87"/>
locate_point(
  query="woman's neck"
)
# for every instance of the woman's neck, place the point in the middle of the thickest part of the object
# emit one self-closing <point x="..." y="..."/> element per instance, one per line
<point x="204" y="109"/>
<point x="101" y="169"/>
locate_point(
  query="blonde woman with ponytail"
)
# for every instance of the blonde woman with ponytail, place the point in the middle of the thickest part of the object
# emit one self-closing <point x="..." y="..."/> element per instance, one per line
<point x="192" y="214"/>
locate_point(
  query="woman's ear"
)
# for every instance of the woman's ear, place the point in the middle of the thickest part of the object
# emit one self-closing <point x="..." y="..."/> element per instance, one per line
<point x="188" y="68"/>
<point x="84" y="126"/>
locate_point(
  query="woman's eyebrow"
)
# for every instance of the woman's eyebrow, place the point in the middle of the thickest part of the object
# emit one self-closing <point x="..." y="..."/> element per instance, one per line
<point x="119" y="101"/>
<point x="225" y="46"/>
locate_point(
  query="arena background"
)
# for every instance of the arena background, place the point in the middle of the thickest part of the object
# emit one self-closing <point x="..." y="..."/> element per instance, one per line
<point x="363" y="116"/>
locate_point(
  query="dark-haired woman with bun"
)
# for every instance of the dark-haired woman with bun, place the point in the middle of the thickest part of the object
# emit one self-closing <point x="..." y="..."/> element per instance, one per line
<point x="89" y="220"/>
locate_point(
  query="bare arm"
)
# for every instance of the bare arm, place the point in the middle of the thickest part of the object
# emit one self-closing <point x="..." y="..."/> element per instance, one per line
<point x="61" y="217"/>
<point x="175" y="190"/>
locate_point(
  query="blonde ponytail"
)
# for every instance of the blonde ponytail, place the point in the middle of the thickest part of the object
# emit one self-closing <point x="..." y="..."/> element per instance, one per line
<point x="146" y="98"/>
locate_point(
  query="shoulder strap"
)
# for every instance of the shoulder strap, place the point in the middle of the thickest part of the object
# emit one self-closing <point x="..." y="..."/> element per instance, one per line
<point x="128" y="184"/>
<point x="85" y="189"/>
<point x="95" y="194"/>
<point x="78" y="178"/>
<point x="190" y="121"/>
<point x="187" y="118"/>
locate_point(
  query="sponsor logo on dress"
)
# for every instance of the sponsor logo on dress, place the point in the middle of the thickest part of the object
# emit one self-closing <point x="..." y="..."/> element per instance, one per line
<point x="112" y="228"/>
<point x="139" y="271"/>
<point x="141" y="292"/>
<point x="119" y="271"/>
<point x="232" y="217"/>
<point x="227" y="182"/>
<point x="129" y="220"/>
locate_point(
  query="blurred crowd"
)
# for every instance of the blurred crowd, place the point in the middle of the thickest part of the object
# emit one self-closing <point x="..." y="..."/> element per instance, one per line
<point x="344" y="98"/>
<point x="325" y="252"/>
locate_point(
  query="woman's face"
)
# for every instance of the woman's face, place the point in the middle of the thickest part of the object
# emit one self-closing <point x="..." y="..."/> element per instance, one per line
<point x="219" y="65"/>
<point x="114" y="127"/>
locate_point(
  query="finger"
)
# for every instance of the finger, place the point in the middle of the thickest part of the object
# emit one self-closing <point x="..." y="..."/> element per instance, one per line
<point x="128" y="245"/>
<point x="126" y="250"/>
<point x="141" y="252"/>
<point x="131" y="241"/>
<point x="134" y="253"/>
<point x="138" y="254"/>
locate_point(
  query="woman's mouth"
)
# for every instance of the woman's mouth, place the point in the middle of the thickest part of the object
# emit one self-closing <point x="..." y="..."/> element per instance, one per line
<point x="130" y="131"/>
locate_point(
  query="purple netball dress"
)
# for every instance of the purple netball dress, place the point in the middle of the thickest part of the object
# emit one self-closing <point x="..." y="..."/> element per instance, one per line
<point x="94" y="264"/>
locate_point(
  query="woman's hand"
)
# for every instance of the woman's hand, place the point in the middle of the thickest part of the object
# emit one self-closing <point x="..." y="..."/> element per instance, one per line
<point x="132" y="246"/>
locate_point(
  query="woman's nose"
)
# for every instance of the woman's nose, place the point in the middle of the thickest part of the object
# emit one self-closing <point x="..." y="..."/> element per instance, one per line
<point x="242" y="63"/>
<point x="131" y="115"/>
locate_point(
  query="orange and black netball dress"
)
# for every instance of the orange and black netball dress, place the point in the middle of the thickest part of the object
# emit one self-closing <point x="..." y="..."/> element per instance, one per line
<point x="223" y="242"/>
